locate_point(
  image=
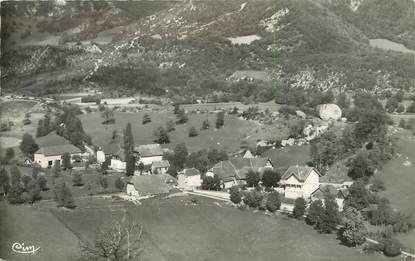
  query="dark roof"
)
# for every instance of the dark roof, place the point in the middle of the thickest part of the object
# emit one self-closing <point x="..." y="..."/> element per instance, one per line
<point x="300" y="172"/>
<point x="53" y="144"/>
<point x="238" y="167"/>
<point x="112" y="148"/>
<point x="191" y="172"/>
<point x="161" y="164"/>
<point x="149" y="150"/>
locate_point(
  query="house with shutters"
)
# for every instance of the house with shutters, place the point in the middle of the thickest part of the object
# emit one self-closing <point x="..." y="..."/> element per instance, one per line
<point x="300" y="181"/>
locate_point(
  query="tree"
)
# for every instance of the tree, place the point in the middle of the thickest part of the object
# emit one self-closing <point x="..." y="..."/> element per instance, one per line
<point x="270" y="178"/>
<point x="66" y="161"/>
<point x="35" y="170"/>
<point x="176" y="109"/>
<point x="330" y="218"/>
<point x="400" y="109"/>
<point x="28" y="145"/>
<point x="205" y="124"/>
<point x="170" y="126"/>
<point x="360" y="167"/>
<point x="235" y="195"/>
<point x="15" y="175"/>
<point x="9" y="154"/>
<point x="273" y="201"/>
<point x="180" y="155"/>
<point x="76" y="138"/>
<point x="192" y="131"/>
<point x="324" y="150"/>
<point x="253" y="198"/>
<point x="392" y="104"/>
<point x="108" y="116"/>
<point x="220" y="119"/>
<point x="14" y="195"/>
<point x="411" y="108"/>
<point x="377" y="185"/>
<point x="119" y="184"/>
<point x="4" y="180"/>
<point x="25" y="180"/>
<point x="162" y="136"/>
<point x="372" y="125"/>
<point x="358" y="196"/>
<point x="33" y="190"/>
<point x="56" y="171"/>
<point x="119" y="241"/>
<point x="42" y="182"/>
<point x="63" y="196"/>
<point x="211" y="183"/>
<point x="252" y="178"/>
<point x="354" y="231"/>
<point x="77" y="179"/>
<point x="181" y="117"/>
<point x="129" y="150"/>
<point x="315" y="211"/>
<point x="146" y="119"/>
<point x="299" y="208"/>
<point x="392" y="247"/>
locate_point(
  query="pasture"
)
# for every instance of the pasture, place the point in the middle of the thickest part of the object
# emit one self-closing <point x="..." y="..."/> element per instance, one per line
<point x="174" y="230"/>
<point x="399" y="178"/>
<point x="228" y="137"/>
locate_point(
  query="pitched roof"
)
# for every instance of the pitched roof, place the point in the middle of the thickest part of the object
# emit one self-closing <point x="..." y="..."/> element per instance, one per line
<point x="161" y="164"/>
<point x="152" y="184"/>
<point x="149" y="150"/>
<point x="238" y="167"/>
<point x="112" y="148"/>
<point x="248" y="155"/>
<point x="299" y="172"/>
<point x="191" y="172"/>
<point x="53" y="144"/>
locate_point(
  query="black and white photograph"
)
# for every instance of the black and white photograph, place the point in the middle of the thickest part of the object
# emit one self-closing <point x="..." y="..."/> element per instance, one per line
<point x="207" y="130"/>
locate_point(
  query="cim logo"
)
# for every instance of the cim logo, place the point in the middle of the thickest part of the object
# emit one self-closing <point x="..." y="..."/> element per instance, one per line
<point x="21" y="248"/>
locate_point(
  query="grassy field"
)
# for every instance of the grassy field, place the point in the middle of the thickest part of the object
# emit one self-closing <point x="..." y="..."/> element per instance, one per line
<point x="15" y="109"/>
<point x="227" y="138"/>
<point x="176" y="230"/>
<point x="400" y="179"/>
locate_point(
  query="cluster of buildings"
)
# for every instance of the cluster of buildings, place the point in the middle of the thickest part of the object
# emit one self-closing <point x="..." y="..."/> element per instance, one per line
<point x="297" y="181"/>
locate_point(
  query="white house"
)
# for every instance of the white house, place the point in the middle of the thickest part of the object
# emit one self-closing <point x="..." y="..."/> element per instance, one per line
<point x="300" y="181"/>
<point x="149" y="153"/>
<point x="189" y="179"/>
<point x="115" y="153"/>
<point x="160" y="167"/>
<point x="51" y="149"/>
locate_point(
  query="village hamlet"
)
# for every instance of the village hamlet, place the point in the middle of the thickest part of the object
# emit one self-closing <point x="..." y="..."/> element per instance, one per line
<point x="226" y="130"/>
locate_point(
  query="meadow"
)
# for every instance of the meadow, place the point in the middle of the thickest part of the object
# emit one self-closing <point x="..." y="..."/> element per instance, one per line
<point x="228" y="137"/>
<point x="174" y="230"/>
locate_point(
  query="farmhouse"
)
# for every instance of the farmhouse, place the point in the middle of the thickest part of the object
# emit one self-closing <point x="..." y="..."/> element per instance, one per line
<point x="51" y="149"/>
<point x="149" y="153"/>
<point x="115" y="153"/>
<point x="189" y="179"/>
<point x="160" y="167"/>
<point x="233" y="171"/>
<point x="150" y="185"/>
<point x="300" y="181"/>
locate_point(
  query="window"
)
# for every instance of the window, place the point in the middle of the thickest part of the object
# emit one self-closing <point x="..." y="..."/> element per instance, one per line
<point x="50" y="163"/>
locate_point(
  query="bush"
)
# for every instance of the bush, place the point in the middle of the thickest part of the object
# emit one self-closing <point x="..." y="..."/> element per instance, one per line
<point x="315" y="211"/>
<point x="192" y="132"/>
<point x="42" y="182"/>
<point x="103" y="181"/>
<point x="235" y="195"/>
<point x="392" y="247"/>
<point x="146" y="119"/>
<point x="411" y="108"/>
<point x="273" y="202"/>
<point x="299" y="208"/>
<point x="252" y="178"/>
<point x="253" y="199"/>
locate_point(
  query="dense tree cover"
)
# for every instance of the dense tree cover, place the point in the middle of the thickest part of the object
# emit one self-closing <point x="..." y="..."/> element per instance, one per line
<point x="325" y="150"/>
<point x="28" y="145"/>
<point x="315" y="211"/>
<point x="273" y="201"/>
<point x="252" y="178"/>
<point x="354" y="230"/>
<point x="361" y="167"/>
<point x="358" y="197"/>
<point x="69" y="126"/>
<point x="128" y="140"/>
<point x="330" y="218"/>
<point x="253" y="198"/>
<point x="211" y="183"/>
<point x="299" y="208"/>
<point x="270" y="178"/>
<point x="205" y="159"/>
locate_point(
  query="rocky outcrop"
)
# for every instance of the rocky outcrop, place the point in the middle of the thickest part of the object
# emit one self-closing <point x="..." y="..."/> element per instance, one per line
<point x="329" y="112"/>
